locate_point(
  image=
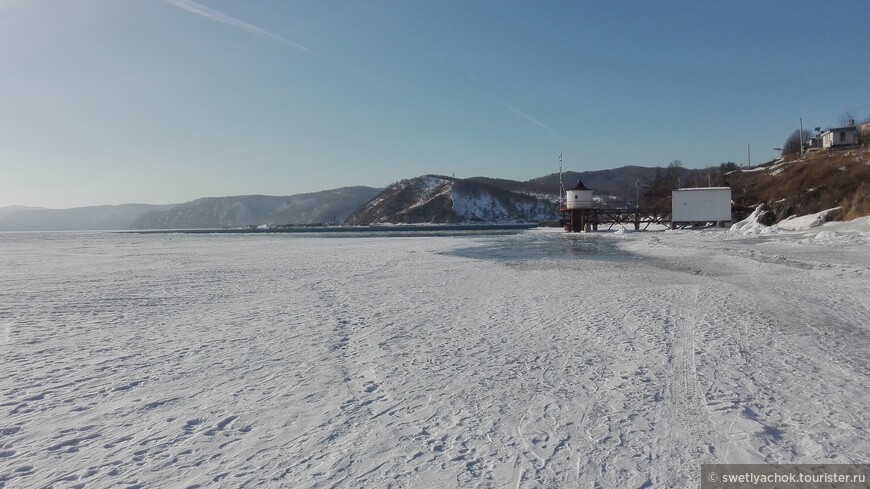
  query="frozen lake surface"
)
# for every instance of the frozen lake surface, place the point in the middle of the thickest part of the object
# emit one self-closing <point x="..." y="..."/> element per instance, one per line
<point x="541" y="245"/>
<point x="302" y="361"/>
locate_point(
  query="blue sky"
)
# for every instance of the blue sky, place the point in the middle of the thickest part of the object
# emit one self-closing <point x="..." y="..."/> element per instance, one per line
<point x="108" y="101"/>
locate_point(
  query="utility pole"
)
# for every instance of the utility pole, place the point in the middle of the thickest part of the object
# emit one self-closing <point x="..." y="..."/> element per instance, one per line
<point x="801" y="134"/>
<point x="748" y="157"/>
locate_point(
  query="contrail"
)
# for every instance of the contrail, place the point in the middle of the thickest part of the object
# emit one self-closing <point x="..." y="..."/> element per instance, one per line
<point x="203" y="11"/>
<point x="531" y="119"/>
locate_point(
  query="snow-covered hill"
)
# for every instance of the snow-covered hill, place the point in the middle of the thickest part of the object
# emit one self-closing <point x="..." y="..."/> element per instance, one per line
<point x="439" y="199"/>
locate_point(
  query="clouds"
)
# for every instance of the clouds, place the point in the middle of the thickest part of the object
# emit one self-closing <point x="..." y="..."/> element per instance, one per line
<point x="214" y="15"/>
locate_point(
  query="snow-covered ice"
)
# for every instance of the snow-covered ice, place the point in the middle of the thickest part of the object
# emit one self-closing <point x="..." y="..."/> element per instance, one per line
<point x="305" y="361"/>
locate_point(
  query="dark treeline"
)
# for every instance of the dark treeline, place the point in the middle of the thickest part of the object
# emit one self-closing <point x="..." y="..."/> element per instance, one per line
<point x="657" y="190"/>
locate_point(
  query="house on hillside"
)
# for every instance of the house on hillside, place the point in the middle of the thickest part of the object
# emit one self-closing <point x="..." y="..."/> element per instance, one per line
<point x="814" y="143"/>
<point x="840" y="137"/>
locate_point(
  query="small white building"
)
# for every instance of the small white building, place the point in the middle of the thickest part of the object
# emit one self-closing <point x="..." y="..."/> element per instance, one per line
<point x="579" y="198"/>
<point x="701" y="205"/>
<point x="839" y="137"/>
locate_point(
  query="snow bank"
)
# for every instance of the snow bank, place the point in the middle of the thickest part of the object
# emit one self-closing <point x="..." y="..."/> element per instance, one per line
<point x="803" y="223"/>
<point x="751" y="224"/>
<point x="800" y="225"/>
<point x="860" y="225"/>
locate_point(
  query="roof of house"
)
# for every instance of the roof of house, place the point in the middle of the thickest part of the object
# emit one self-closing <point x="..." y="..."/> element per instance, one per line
<point x="837" y="129"/>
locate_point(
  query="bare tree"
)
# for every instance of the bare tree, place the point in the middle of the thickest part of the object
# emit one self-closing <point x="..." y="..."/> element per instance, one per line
<point x="792" y="145"/>
<point x="848" y="119"/>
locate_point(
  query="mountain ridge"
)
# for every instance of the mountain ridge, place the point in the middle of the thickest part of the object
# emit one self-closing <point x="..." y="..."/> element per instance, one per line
<point x="788" y="186"/>
<point x="332" y="205"/>
<point x="440" y="199"/>
<point x="89" y="218"/>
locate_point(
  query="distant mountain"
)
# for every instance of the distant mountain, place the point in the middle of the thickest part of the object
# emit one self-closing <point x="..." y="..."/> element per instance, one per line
<point x="439" y="199"/>
<point x="101" y="217"/>
<point x="617" y="182"/>
<point x="12" y="209"/>
<point x="246" y="210"/>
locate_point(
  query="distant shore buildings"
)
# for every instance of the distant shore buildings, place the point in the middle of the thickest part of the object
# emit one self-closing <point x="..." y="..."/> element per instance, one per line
<point x="838" y="137"/>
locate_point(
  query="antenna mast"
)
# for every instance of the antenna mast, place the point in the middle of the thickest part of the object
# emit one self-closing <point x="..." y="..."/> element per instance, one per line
<point x="561" y="186"/>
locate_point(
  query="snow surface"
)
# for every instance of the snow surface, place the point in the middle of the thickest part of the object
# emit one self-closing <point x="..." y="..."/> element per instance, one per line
<point x="302" y="361"/>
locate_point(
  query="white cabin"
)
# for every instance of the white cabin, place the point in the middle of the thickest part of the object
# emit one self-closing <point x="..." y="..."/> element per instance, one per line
<point x="700" y="205"/>
<point x="841" y="136"/>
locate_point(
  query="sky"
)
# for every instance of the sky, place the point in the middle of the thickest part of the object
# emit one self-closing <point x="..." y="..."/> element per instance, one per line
<point x="166" y="101"/>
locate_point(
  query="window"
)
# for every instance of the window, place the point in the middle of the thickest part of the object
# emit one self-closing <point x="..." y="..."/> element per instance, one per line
<point x="842" y="136"/>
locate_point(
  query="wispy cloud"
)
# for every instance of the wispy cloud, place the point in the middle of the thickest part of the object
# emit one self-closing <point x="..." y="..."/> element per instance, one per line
<point x="531" y="119"/>
<point x="211" y="14"/>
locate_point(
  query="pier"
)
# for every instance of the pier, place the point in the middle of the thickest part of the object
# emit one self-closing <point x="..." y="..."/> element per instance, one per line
<point x="577" y="220"/>
<point x="689" y="207"/>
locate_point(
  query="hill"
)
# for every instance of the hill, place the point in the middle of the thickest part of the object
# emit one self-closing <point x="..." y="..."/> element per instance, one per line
<point x="440" y="199"/>
<point x="807" y="184"/>
<point x="623" y="184"/>
<point x="246" y="210"/>
<point x="617" y="182"/>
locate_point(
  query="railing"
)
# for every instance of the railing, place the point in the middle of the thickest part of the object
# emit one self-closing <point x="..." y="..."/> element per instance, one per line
<point x="591" y="219"/>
